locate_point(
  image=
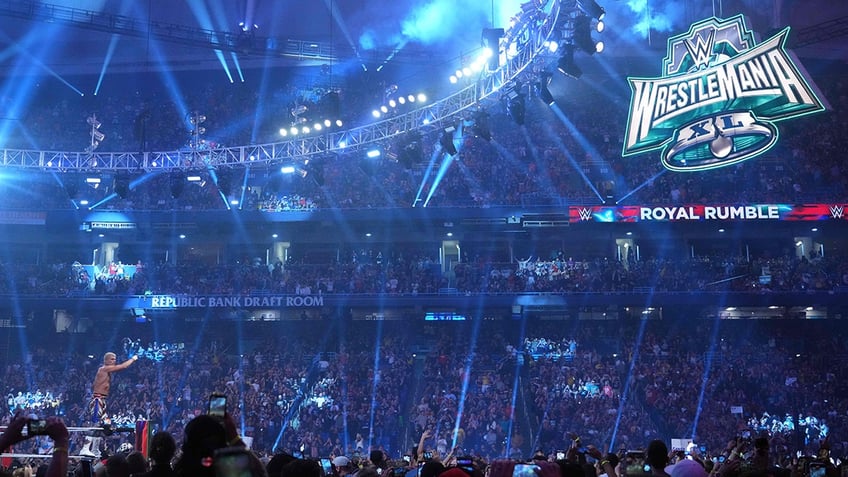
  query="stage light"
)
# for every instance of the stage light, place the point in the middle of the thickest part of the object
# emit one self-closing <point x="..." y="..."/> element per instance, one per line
<point x="402" y="100"/>
<point x="392" y="103"/>
<point x="480" y="125"/>
<point x="287" y="169"/>
<point x="491" y="38"/>
<point x="96" y="136"/>
<point x="283" y="132"/>
<point x="422" y="97"/>
<point x="458" y="73"/>
<point x="193" y="178"/>
<point x="317" y="126"/>
<point x="373" y="153"/>
<point x="122" y="186"/>
<point x="376" y="114"/>
<point x="177" y="183"/>
<point x="566" y="64"/>
<point x="384" y="109"/>
<point x="544" y="92"/>
<point x="327" y="123"/>
<point x="411" y="98"/>
<point x="591" y="8"/>
<point x="515" y="106"/>
<point x="293" y="131"/>
<point x="446" y="141"/>
<point x="552" y="46"/>
<point x="339" y="123"/>
<point x="305" y="130"/>
<point x="583" y="34"/>
<point x="466" y="71"/>
<point x="600" y="27"/>
<point x="453" y="79"/>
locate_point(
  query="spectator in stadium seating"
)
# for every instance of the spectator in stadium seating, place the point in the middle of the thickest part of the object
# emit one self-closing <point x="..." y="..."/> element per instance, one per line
<point x="162" y="448"/>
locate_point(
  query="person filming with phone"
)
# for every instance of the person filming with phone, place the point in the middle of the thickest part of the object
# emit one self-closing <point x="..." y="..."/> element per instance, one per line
<point x="22" y="428"/>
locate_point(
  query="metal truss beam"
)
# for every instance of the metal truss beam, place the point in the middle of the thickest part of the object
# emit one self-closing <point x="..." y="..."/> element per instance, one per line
<point x="169" y="32"/>
<point x="523" y="43"/>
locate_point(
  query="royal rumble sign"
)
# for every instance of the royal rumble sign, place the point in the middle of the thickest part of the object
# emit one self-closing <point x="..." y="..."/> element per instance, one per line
<point x="718" y="97"/>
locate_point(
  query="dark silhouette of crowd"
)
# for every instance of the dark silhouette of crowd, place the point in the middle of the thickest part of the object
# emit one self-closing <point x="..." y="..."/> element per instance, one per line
<point x="472" y="389"/>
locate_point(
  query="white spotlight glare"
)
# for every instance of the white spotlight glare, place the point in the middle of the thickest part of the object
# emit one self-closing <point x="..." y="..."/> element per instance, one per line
<point x="375" y="113"/>
<point x="283" y="132"/>
<point x="411" y="98"/>
<point x="599" y="47"/>
<point x="305" y="130"/>
<point x="600" y="27"/>
<point x="392" y="103"/>
<point x="422" y="97"/>
<point x="373" y="153"/>
<point x="553" y="46"/>
<point x="466" y="71"/>
<point x="453" y="79"/>
<point x="458" y="73"/>
<point x="339" y="123"/>
<point x="317" y="126"/>
<point x="384" y="109"/>
<point x="488" y="53"/>
<point x="402" y="100"/>
<point x="327" y="123"/>
<point x="293" y="131"/>
<point x="287" y="169"/>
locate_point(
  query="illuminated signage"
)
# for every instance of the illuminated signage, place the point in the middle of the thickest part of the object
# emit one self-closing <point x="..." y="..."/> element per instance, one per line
<point x="700" y="212"/>
<point x="443" y="316"/>
<point x="178" y="301"/>
<point x="718" y="97"/>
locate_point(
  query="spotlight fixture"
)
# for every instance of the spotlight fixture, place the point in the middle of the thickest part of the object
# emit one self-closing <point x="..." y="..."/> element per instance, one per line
<point x="566" y="64"/>
<point x="177" y="183"/>
<point x="591" y="8"/>
<point x="491" y="38"/>
<point x="446" y="141"/>
<point x="122" y="186"/>
<point x="544" y="92"/>
<point x="583" y="35"/>
<point x="197" y="131"/>
<point x="515" y="105"/>
<point x="96" y="136"/>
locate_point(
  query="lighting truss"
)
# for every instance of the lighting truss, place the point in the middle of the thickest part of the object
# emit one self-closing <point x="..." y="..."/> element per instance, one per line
<point x="172" y="33"/>
<point x="528" y="36"/>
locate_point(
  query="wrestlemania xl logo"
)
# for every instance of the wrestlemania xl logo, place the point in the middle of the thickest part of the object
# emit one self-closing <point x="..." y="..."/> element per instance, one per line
<point x="718" y="97"/>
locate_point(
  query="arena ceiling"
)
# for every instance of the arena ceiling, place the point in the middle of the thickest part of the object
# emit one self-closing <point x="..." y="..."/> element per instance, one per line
<point x="363" y="33"/>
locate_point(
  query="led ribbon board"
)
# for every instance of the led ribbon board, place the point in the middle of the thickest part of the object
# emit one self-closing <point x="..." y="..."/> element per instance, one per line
<point x="718" y="98"/>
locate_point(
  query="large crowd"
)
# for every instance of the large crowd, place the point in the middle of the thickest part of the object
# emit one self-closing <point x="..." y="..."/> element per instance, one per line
<point x="544" y="162"/>
<point x="472" y="389"/>
<point x="414" y="271"/>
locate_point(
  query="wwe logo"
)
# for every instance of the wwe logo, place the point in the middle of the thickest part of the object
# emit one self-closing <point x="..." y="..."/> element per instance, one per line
<point x="701" y="50"/>
<point x="585" y="214"/>
<point x="836" y="211"/>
